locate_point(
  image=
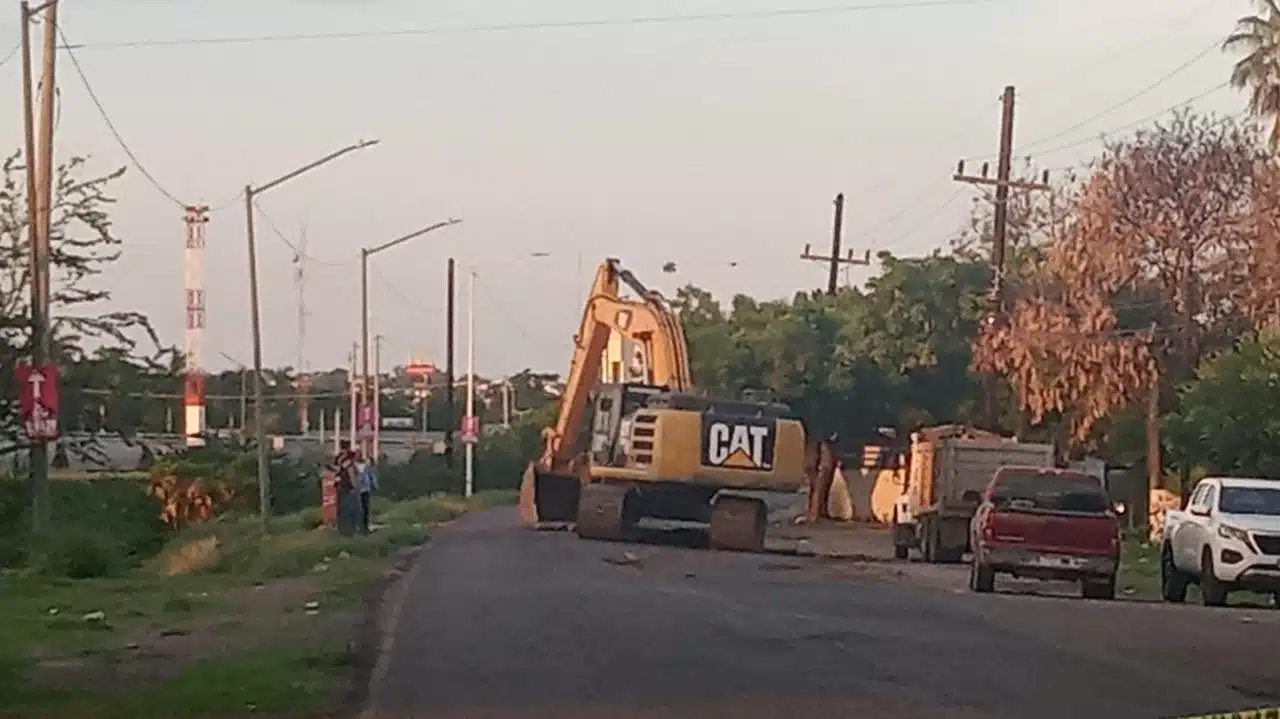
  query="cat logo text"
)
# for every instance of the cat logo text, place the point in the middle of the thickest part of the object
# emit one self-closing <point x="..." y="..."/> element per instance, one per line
<point x="738" y="442"/>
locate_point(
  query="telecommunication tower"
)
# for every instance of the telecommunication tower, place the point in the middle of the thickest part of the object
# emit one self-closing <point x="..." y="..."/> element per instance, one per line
<point x="193" y="396"/>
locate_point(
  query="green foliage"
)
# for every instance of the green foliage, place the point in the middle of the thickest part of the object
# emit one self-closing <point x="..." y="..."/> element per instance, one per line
<point x="1228" y="417"/>
<point x="895" y="354"/>
<point x="106" y="523"/>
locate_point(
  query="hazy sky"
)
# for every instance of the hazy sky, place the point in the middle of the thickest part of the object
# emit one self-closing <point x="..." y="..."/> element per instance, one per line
<point x="700" y="143"/>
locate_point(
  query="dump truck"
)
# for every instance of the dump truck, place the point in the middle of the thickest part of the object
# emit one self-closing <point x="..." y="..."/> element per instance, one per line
<point x="948" y="468"/>
<point x="654" y="448"/>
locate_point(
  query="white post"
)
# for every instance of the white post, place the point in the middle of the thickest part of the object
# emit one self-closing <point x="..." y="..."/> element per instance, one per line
<point x="471" y="379"/>
<point x="506" y="403"/>
<point x="337" y="430"/>
<point x="353" y="383"/>
<point x="377" y="399"/>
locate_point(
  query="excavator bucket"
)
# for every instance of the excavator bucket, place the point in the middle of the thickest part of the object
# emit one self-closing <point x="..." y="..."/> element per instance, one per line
<point x="547" y="498"/>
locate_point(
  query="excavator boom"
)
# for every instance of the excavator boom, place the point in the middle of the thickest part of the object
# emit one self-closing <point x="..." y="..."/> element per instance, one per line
<point x="551" y="484"/>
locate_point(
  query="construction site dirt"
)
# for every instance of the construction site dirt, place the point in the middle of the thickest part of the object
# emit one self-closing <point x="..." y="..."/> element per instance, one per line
<point x="497" y="621"/>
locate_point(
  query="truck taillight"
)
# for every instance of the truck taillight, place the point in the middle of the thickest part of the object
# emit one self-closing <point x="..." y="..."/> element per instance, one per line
<point x="987" y="527"/>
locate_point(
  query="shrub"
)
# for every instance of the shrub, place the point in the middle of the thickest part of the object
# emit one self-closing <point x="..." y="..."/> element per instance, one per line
<point x="81" y="553"/>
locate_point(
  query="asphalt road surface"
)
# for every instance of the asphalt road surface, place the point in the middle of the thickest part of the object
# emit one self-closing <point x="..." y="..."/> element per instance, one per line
<point x="504" y="623"/>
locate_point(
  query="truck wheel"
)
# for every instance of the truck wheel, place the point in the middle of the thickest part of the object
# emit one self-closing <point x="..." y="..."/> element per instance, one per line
<point x="1173" y="583"/>
<point x="901" y="535"/>
<point x="601" y="509"/>
<point x="928" y="541"/>
<point x="982" y="578"/>
<point x="1104" y="589"/>
<point x="738" y="523"/>
<point x="1212" y="591"/>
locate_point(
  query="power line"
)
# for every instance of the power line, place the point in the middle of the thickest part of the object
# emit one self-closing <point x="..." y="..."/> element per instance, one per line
<point x="1131" y="98"/>
<point x="401" y="296"/>
<point x="11" y="54"/>
<point x="106" y="118"/>
<point x="1135" y="123"/>
<point x="1123" y="50"/>
<point x="509" y="318"/>
<point x="275" y="230"/>
<point x="547" y="25"/>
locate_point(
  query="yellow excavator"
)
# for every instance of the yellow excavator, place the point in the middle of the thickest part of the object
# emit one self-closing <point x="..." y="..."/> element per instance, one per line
<point x="623" y="451"/>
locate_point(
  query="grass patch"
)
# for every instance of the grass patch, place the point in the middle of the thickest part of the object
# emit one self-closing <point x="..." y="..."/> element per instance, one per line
<point x="280" y="682"/>
<point x="1140" y="577"/>
<point x="224" y="606"/>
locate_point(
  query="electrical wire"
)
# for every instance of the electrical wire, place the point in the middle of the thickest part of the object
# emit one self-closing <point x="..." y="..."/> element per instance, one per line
<point x="509" y="318"/>
<point x="11" y="54"/>
<point x="1135" y="123"/>
<point x="548" y="25"/>
<point x="1122" y="51"/>
<point x="926" y="218"/>
<point x="106" y="118"/>
<point x="1130" y="99"/>
<point x="297" y="251"/>
<point x="389" y="286"/>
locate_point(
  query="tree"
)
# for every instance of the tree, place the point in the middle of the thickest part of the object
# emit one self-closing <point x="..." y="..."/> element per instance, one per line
<point x="1228" y="417"/>
<point x="1257" y="37"/>
<point x="82" y="246"/>
<point x="1141" y="281"/>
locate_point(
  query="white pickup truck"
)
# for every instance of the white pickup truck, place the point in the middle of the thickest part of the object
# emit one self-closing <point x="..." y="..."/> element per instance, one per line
<point x="1227" y="539"/>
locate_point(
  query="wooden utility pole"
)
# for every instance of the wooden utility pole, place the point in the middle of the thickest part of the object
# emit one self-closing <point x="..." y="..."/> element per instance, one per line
<point x="1000" y="228"/>
<point x="39" y="169"/>
<point x="834" y="259"/>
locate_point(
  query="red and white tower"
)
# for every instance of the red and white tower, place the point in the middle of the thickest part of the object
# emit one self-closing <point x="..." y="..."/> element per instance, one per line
<point x="197" y="217"/>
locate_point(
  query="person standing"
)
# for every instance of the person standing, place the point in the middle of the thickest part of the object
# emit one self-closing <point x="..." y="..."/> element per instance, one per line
<point x="346" y="476"/>
<point x="367" y="480"/>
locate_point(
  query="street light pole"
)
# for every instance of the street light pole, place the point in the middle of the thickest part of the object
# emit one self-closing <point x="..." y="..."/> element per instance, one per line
<point x="365" y="254"/>
<point x="471" y="381"/>
<point x="260" y="434"/>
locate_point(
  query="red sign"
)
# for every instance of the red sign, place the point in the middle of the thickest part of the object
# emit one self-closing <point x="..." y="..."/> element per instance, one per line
<point x="420" y="370"/>
<point x="365" y="421"/>
<point x="38" y="400"/>
<point x="470" y="429"/>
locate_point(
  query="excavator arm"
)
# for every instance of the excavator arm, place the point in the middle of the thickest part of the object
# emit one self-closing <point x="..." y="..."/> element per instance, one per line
<point x="551" y="484"/>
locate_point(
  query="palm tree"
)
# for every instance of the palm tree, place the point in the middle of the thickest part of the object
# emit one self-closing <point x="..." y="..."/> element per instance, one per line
<point x="1258" y="38"/>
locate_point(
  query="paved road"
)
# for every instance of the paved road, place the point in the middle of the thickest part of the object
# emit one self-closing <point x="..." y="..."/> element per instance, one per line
<point x="503" y="623"/>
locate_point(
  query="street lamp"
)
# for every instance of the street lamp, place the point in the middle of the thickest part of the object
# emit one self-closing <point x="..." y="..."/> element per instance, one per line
<point x="250" y="192"/>
<point x="365" y="254"/>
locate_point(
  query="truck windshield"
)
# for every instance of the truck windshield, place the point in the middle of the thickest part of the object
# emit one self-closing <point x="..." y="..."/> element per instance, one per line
<point x="1050" y="493"/>
<point x="1250" y="500"/>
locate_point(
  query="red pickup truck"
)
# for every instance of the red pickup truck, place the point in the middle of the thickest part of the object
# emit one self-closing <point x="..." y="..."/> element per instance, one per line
<point x="1048" y="524"/>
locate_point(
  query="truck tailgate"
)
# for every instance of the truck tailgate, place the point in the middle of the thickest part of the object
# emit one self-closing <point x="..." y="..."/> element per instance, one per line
<point x="1080" y="534"/>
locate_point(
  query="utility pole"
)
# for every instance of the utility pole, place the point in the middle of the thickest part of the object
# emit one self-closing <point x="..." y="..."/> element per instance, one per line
<point x="304" y="377"/>
<point x="834" y="259"/>
<point x="471" y="381"/>
<point x="377" y="399"/>
<point x="353" y="383"/>
<point x="450" y="411"/>
<point x="1000" y="229"/>
<point x="39" y="162"/>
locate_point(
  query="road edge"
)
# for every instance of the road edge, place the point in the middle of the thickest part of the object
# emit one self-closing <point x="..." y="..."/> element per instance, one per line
<point x="384" y="604"/>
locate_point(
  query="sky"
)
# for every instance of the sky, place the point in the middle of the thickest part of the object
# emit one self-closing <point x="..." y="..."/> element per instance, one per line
<point x="717" y="144"/>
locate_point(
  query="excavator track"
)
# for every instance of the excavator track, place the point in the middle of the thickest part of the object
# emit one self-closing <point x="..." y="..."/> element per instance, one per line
<point x="738" y="524"/>
<point x="602" y="512"/>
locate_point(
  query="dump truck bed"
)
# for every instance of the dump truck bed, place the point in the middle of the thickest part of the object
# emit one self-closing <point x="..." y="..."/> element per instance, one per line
<point x="965" y="465"/>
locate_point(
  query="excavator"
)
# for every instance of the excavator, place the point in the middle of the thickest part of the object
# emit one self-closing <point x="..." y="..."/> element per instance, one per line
<point x="621" y="451"/>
